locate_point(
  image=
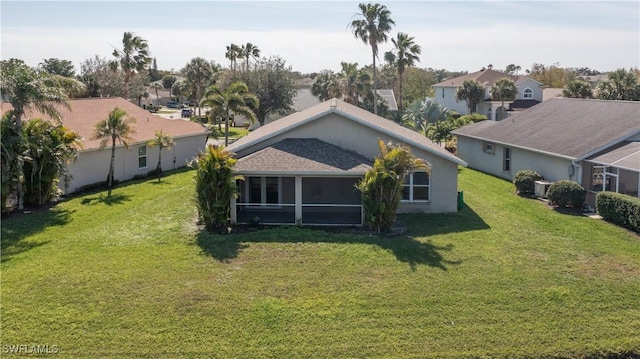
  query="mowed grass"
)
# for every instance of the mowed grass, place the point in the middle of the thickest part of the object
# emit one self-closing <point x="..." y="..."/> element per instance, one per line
<point x="134" y="276"/>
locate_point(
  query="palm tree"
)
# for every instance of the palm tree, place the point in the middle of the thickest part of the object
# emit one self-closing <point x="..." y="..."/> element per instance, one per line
<point x="503" y="90"/>
<point x="404" y="54"/>
<point x="577" y="89"/>
<point x="157" y="86"/>
<point x="622" y="85"/>
<point x="116" y="127"/>
<point x="28" y="89"/>
<point x="471" y="92"/>
<point x="423" y="113"/>
<point x="162" y="140"/>
<point x="326" y="86"/>
<point x="236" y="98"/>
<point x="199" y="73"/>
<point x="133" y="58"/>
<point x="372" y="28"/>
<point x="354" y="83"/>
<point x="234" y="52"/>
<point x="248" y="51"/>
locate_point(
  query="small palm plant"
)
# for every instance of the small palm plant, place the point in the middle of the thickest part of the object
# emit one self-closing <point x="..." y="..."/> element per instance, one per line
<point x="162" y="140"/>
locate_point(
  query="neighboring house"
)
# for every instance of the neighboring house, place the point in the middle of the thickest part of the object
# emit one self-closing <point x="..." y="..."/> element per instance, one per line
<point x="303" y="168"/>
<point x="389" y="99"/>
<point x="92" y="164"/>
<point x="529" y="93"/>
<point x="163" y="95"/>
<point x="593" y="142"/>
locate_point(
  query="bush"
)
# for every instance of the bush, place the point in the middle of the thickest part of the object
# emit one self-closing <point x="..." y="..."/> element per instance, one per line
<point x="566" y="193"/>
<point x="525" y="181"/>
<point x="473" y="118"/>
<point x="620" y="209"/>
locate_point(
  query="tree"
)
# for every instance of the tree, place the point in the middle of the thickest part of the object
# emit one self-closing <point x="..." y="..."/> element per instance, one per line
<point x="428" y="115"/>
<point x="168" y="81"/>
<point x="354" y="83"/>
<point x="12" y="147"/>
<point x="234" y="52"/>
<point x="56" y="66"/>
<point x="622" y="85"/>
<point x="503" y="90"/>
<point x="215" y="186"/>
<point x="116" y="127"/>
<point x="372" y="27"/>
<point x="471" y="92"/>
<point x="236" y="98"/>
<point x="26" y="88"/>
<point x="513" y="69"/>
<point x="50" y="147"/>
<point x="326" y="86"/>
<point x="405" y="54"/>
<point x="138" y="87"/>
<point x="99" y="79"/>
<point x="551" y="76"/>
<point x="132" y="58"/>
<point x="249" y="51"/>
<point x="200" y="74"/>
<point x="157" y="86"/>
<point x="272" y="83"/>
<point x="577" y="89"/>
<point x="382" y="185"/>
<point x="162" y="140"/>
<point x="154" y="74"/>
<point x="417" y="84"/>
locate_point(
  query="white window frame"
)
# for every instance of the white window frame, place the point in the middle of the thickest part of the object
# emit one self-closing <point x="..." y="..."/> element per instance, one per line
<point x="143" y="155"/>
<point x="412" y="186"/>
<point x="529" y="92"/>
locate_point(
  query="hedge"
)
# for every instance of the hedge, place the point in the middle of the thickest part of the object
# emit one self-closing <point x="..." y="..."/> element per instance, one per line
<point x="525" y="181"/>
<point x="565" y="193"/>
<point x="620" y="209"/>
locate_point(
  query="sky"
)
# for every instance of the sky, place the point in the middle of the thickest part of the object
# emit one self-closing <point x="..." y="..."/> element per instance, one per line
<point x="312" y="36"/>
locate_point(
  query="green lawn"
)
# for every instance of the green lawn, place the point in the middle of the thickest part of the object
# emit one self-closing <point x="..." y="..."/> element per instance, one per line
<point x="133" y="276"/>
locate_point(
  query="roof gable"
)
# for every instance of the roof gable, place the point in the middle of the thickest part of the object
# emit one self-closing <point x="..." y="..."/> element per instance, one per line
<point x="570" y="128"/>
<point x="348" y="112"/>
<point x="485" y="78"/>
<point x="83" y="114"/>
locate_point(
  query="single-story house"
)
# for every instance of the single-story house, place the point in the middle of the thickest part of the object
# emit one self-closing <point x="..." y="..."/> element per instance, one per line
<point x="303" y="168"/>
<point x="92" y="163"/>
<point x="530" y="93"/>
<point x="593" y="142"/>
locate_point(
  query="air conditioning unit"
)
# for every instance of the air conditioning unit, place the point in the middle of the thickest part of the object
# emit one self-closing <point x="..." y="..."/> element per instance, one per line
<point x="541" y="188"/>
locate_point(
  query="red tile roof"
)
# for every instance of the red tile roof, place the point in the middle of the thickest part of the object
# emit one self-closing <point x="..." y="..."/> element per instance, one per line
<point x="85" y="113"/>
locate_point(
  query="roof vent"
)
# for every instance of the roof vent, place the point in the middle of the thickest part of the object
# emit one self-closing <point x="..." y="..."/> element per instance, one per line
<point x="334" y="103"/>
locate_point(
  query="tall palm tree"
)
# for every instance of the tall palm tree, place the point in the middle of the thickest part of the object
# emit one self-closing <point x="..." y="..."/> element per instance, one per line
<point x="503" y="90"/>
<point x="28" y="89"/>
<point x="250" y="51"/>
<point x="116" y="127"/>
<point x="199" y="73"/>
<point x="236" y="98"/>
<point x="472" y="92"/>
<point x="234" y="52"/>
<point x="157" y="86"/>
<point x="354" y="83"/>
<point x="326" y="85"/>
<point x="162" y="140"/>
<point x="132" y="58"/>
<point x="372" y="27"/>
<point x="404" y="54"/>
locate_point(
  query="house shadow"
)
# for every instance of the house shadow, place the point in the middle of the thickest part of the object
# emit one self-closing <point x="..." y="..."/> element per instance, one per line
<point x="225" y="248"/>
<point x="431" y="224"/>
<point x="20" y="226"/>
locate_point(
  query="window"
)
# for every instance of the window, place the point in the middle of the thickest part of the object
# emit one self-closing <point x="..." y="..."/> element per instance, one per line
<point x="528" y="94"/>
<point x="264" y="190"/>
<point x="604" y="178"/>
<point x="416" y="187"/>
<point x="506" y="163"/>
<point x="142" y="156"/>
<point x="488" y="147"/>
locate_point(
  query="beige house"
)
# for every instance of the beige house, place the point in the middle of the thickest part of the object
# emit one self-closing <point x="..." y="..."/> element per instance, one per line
<point x="593" y="142"/>
<point x="303" y="168"/>
<point x="92" y="163"/>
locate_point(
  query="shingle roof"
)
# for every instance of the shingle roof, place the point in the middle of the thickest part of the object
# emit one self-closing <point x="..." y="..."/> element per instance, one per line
<point x="626" y="155"/>
<point x="571" y="128"/>
<point x="349" y="112"/>
<point x="304" y="155"/>
<point x="85" y="113"/>
<point x="389" y="98"/>
<point x="519" y="105"/>
<point x="484" y="78"/>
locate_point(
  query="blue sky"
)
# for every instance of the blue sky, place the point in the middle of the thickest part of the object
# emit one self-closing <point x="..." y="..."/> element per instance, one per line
<point x="456" y="35"/>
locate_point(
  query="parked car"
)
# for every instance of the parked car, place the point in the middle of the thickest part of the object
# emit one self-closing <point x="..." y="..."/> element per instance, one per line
<point x="173" y="104"/>
<point x="186" y="112"/>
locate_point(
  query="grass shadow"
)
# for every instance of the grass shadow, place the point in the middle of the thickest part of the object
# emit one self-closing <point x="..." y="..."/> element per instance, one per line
<point x="427" y="224"/>
<point x="19" y="226"/>
<point x="116" y="198"/>
<point x="406" y="249"/>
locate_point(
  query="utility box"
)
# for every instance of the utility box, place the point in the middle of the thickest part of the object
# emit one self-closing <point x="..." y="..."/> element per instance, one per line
<point x="541" y="188"/>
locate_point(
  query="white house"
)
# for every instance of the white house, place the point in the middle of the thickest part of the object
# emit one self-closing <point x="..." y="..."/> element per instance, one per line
<point x="593" y="142"/>
<point x="92" y="163"/>
<point x="529" y="93"/>
<point x="303" y="168"/>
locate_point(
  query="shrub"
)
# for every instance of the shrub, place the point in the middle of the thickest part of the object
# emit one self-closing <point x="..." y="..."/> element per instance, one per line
<point x="620" y="209"/>
<point x="215" y="186"/>
<point x="566" y="193"/>
<point x="525" y="181"/>
<point x="473" y="118"/>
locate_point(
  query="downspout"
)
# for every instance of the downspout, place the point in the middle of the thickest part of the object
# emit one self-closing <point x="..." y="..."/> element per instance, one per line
<point x="577" y="171"/>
